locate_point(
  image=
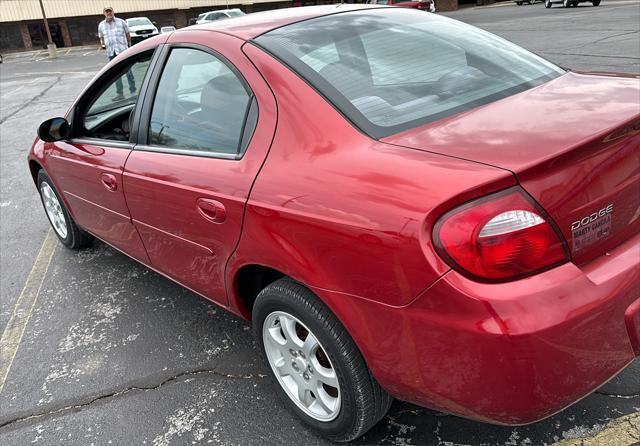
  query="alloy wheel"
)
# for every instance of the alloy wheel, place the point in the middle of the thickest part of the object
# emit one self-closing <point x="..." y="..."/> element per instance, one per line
<point x="53" y="209"/>
<point x="301" y="366"/>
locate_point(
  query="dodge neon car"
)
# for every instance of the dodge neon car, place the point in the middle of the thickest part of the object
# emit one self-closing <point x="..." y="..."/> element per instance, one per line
<point x="403" y="205"/>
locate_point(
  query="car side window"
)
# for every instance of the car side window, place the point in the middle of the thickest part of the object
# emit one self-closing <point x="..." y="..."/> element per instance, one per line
<point x="108" y="110"/>
<point x="200" y="105"/>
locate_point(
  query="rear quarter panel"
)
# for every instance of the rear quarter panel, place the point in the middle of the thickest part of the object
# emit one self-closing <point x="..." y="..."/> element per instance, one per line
<point x="337" y="210"/>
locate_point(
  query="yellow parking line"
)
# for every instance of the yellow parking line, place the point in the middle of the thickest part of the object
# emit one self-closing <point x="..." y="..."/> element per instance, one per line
<point x="623" y="431"/>
<point x="14" y="330"/>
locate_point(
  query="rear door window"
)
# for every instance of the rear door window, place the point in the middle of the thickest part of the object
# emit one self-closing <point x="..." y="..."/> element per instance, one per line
<point x="200" y="105"/>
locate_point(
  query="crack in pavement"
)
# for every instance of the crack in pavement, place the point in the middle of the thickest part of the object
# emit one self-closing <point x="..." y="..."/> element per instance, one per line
<point x="606" y="38"/>
<point x="614" y="395"/>
<point x="75" y="407"/>
<point x="590" y="55"/>
<point x="30" y="101"/>
<point x="602" y="39"/>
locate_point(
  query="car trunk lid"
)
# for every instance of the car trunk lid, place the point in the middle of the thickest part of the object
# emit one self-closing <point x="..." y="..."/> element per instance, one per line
<point x="574" y="146"/>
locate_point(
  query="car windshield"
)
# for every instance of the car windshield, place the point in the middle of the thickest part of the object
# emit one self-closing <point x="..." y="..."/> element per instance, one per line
<point x="389" y="70"/>
<point x="138" y="22"/>
<point x="235" y="13"/>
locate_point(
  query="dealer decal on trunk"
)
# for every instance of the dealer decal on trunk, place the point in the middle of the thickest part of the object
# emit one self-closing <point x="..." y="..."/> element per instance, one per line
<point x="592" y="228"/>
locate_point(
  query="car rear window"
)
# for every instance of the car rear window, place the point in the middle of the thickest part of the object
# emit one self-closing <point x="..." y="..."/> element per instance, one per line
<point x="392" y="69"/>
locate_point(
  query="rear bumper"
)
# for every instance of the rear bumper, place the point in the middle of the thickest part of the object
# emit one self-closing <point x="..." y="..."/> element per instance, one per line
<point x="509" y="353"/>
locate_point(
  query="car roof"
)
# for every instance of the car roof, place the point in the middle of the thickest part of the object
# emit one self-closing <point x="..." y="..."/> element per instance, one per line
<point x="135" y="18"/>
<point x="252" y="25"/>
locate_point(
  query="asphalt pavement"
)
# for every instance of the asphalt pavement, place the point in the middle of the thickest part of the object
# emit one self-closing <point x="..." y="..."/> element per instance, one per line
<point x="112" y="353"/>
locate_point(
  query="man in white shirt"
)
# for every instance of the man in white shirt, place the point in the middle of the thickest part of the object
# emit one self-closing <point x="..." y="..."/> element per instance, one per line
<point x="115" y="37"/>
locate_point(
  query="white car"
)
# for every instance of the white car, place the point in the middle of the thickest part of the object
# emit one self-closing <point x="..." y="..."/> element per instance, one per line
<point x="141" y="28"/>
<point x="220" y="14"/>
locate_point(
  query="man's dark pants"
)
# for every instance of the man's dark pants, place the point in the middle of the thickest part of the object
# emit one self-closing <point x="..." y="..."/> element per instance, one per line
<point x="130" y="80"/>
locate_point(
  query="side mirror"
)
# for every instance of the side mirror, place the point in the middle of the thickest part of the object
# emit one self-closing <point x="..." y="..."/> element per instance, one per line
<point x="55" y="129"/>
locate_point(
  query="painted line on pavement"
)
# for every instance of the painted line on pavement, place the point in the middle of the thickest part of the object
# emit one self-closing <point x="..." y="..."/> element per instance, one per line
<point x="623" y="431"/>
<point x="14" y="330"/>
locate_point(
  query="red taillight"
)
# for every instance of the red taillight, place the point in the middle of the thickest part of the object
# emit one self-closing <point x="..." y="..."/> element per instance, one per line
<point x="500" y="237"/>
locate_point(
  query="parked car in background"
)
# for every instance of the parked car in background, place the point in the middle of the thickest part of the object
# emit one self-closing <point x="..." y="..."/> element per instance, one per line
<point x="141" y="28"/>
<point x="220" y="14"/>
<point x="402" y="204"/>
<point x="570" y="3"/>
<point x="425" y="5"/>
<point x="167" y="29"/>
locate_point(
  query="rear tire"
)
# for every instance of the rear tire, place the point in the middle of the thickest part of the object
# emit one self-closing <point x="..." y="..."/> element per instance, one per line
<point x="67" y="231"/>
<point x="519" y="3"/>
<point x="547" y="4"/>
<point x="596" y="3"/>
<point x="566" y="3"/>
<point x="288" y="320"/>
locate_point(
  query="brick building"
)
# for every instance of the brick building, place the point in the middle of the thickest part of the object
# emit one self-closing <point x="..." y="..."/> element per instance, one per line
<point x="75" y="22"/>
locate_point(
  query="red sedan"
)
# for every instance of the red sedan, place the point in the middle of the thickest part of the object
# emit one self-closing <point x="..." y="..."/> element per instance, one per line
<point x="404" y="205"/>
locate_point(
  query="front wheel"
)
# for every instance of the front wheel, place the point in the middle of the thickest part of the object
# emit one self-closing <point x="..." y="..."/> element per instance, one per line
<point x="596" y="3"/>
<point x="566" y="3"/>
<point x="319" y="372"/>
<point x="547" y="4"/>
<point x="63" y="225"/>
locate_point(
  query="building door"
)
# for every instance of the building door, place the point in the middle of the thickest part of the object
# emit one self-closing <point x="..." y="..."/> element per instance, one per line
<point x="38" y="34"/>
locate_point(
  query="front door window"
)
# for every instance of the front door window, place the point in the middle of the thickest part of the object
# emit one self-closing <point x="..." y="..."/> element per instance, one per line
<point x="109" y="110"/>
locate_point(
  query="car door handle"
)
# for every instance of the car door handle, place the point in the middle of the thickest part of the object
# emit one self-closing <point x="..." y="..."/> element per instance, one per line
<point x="212" y="210"/>
<point x="109" y="181"/>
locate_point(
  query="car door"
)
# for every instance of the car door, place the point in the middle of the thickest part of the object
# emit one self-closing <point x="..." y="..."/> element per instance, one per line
<point x="88" y="167"/>
<point x="204" y="133"/>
